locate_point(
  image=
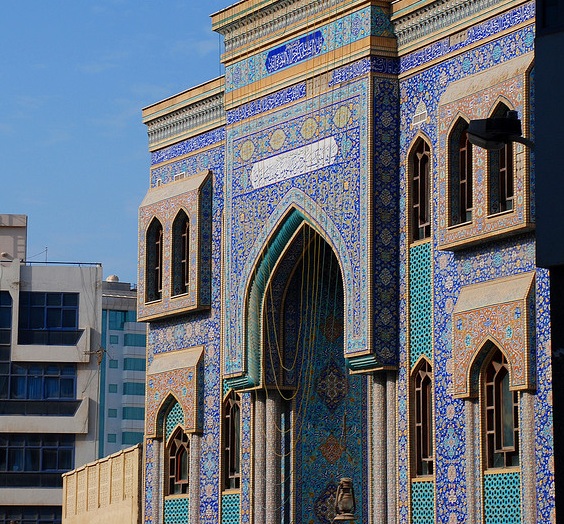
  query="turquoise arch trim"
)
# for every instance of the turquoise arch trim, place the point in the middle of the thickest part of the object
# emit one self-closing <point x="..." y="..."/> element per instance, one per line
<point x="295" y="209"/>
<point x="270" y="256"/>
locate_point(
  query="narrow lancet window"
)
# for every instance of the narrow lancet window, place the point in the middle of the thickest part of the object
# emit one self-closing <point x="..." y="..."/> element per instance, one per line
<point x="419" y="161"/>
<point x="178" y="453"/>
<point x="501" y="414"/>
<point x="232" y="442"/>
<point x="423" y="393"/>
<point x="460" y="176"/>
<point x="500" y="173"/>
<point x="154" y="261"/>
<point x="180" y="253"/>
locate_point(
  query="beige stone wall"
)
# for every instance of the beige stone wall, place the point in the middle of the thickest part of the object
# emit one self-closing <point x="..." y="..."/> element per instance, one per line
<point x="106" y="491"/>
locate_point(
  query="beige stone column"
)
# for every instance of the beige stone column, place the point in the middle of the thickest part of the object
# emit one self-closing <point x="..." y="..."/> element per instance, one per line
<point x="391" y="396"/>
<point x="272" y="458"/>
<point x="158" y="479"/>
<point x="527" y="454"/>
<point x="378" y="444"/>
<point x="473" y="473"/>
<point x="194" y="487"/>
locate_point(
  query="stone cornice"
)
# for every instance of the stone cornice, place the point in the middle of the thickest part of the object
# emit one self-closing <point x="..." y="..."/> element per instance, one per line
<point x="199" y="116"/>
<point x="272" y="19"/>
<point x="436" y="16"/>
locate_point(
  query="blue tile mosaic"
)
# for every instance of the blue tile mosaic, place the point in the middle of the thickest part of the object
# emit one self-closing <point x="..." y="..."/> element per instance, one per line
<point x="369" y="21"/>
<point x="188" y="146"/>
<point x="230" y="509"/>
<point x="420" y="303"/>
<point x="502" y="498"/>
<point x="174" y="418"/>
<point x="267" y="103"/>
<point x="422" y="502"/>
<point x="176" y="510"/>
<point x="521" y="14"/>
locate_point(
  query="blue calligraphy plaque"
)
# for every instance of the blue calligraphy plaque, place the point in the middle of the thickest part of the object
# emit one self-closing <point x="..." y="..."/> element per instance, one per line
<point x="294" y="52"/>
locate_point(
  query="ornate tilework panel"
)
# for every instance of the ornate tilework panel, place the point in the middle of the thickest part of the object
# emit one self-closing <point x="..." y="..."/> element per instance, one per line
<point x="267" y="103"/>
<point x="329" y="420"/>
<point x="182" y="384"/>
<point x="230" y="508"/>
<point x="496" y="259"/>
<point x="185" y="147"/>
<point x="507" y="323"/>
<point x="187" y="165"/>
<point x="384" y="229"/>
<point x="202" y="329"/>
<point x="423" y="502"/>
<point x="544" y="444"/>
<point x="502" y="498"/>
<point x="520" y="14"/>
<point x="371" y="64"/>
<point x="479" y="104"/>
<point x="420" y="303"/>
<point x="193" y="196"/>
<point x="153" y="480"/>
<point x="370" y="21"/>
<point x="330" y="133"/>
<point x="174" y="418"/>
<point x="176" y="510"/>
<point x="246" y="456"/>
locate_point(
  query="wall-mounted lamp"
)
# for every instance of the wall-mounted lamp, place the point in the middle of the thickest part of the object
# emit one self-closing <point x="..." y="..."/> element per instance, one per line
<point x="345" y="504"/>
<point x="6" y="255"/>
<point x="493" y="133"/>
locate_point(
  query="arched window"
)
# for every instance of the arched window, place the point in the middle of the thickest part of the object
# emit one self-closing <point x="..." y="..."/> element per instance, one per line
<point x="423" y="413"/>
<point x="419" y="165"/>
<point x="232" y="442"/>
<point x="460" y="175"/>
<point x="180" y="253"/>
<point x="501" y="414"/>
<point x="154" y="261"/>
<point x="178" y="463"/>
<point x="500" y="173"/>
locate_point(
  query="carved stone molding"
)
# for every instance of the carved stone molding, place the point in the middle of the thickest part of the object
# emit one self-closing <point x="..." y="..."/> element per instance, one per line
<point x="436" y="16"/>
<point x="208" y="111"/>
<point x="270" y="20"/>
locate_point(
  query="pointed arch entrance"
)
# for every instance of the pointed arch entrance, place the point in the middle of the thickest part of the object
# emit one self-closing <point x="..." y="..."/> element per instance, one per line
<point x="309" y="417"/>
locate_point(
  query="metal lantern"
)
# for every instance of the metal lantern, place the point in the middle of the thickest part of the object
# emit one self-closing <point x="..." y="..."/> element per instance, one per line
<point x="345" y="504"/>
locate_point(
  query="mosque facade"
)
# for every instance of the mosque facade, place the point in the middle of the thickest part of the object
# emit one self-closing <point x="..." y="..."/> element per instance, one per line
<point x="337" y="283"/>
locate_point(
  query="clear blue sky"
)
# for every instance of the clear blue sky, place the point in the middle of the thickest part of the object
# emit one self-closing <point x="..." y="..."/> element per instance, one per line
<point x="74" y="76"/>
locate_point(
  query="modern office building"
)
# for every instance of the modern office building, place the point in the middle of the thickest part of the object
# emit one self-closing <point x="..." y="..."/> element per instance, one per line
<point x="341" y="289"/>
<point x="122" y="369"/>
<point x="50" y="321"/>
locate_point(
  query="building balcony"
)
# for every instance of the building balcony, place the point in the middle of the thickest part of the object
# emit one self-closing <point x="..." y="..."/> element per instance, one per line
<point x="45" y="347"/>
<point x="65" y="408"/>
<point x="45" y="416"/>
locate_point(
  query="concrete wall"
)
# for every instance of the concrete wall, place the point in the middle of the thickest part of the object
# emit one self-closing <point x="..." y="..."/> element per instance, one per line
<point x="106" y="491"/>
<point x="13" y="237"/>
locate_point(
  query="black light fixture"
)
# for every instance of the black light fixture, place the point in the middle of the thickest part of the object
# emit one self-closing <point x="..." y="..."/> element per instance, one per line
<point x="494" y="133"/>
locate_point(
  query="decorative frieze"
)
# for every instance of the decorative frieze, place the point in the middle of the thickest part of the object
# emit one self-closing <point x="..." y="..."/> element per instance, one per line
<point x="436" y="16"/>
<point x="270" y="20"/>
<point x="207" y="112"/>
